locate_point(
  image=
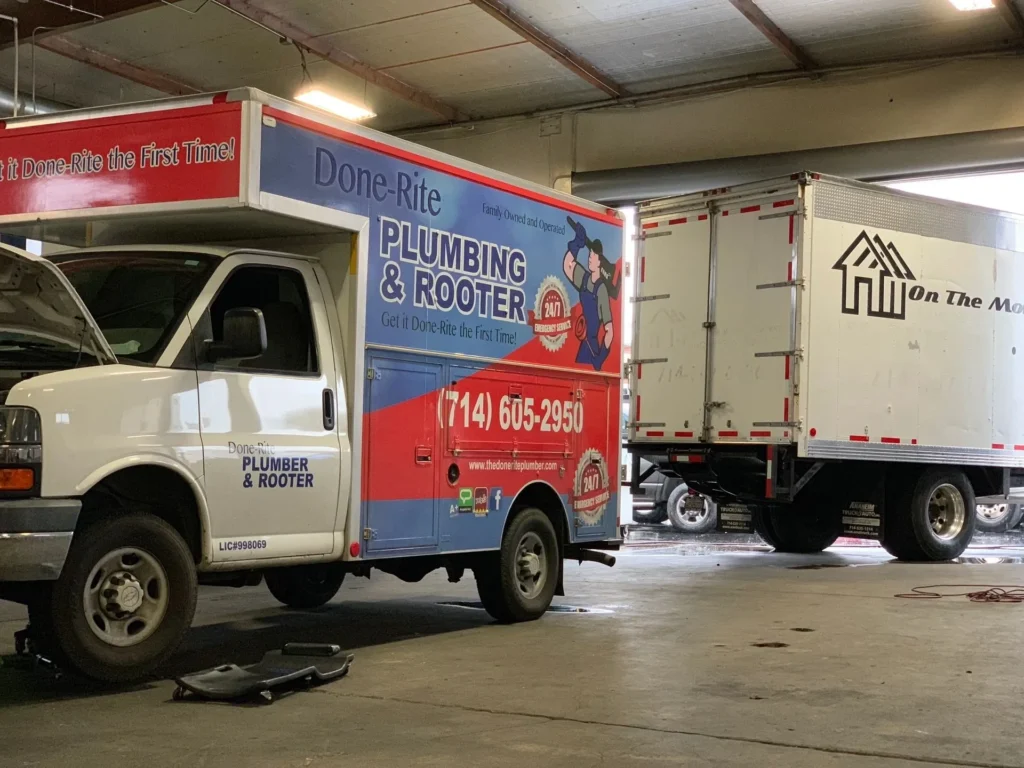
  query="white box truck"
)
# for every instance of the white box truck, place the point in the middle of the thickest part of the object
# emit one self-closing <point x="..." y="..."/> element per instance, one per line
<point x="377" y="356"/>
<point x="824" y="357"/>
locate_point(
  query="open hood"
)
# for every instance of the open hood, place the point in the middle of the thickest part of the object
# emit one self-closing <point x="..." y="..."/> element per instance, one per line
<point x="37" y="299"/>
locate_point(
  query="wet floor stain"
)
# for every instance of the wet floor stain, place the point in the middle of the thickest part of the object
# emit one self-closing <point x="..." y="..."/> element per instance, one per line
<point x="551" y="609"/>
<point x="817" y="566"/>
<point x="770" y="645"/>
<point x="800" y="629"/>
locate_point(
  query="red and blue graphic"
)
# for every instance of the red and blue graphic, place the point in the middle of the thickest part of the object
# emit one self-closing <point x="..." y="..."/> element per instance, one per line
<point x="493" y="340"/>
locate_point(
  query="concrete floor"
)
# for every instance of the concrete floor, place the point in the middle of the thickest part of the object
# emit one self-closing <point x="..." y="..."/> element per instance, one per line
<point x="670" y="675"/>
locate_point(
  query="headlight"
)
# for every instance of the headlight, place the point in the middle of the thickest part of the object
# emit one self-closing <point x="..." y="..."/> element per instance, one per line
<point x="21" y="451"/>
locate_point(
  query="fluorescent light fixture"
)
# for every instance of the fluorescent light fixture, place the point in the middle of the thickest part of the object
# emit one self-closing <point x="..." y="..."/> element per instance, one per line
<point x="972" y="5"/>
<point x="328" y="103"/>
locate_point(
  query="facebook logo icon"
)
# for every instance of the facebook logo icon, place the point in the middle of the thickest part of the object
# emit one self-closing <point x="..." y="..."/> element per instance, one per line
<point x="496" y="499"/>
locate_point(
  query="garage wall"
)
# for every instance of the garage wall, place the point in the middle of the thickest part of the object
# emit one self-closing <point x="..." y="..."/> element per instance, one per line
<point x="838" y="109"/>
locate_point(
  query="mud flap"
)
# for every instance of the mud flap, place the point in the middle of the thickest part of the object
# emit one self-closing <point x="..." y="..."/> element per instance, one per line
<point x="295" y="665"/>
<point x="735" y="518"/>
<point x="863" y="514"/>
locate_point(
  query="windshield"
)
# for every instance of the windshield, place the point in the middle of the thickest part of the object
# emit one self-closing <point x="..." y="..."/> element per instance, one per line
<point x="137" y="298"/>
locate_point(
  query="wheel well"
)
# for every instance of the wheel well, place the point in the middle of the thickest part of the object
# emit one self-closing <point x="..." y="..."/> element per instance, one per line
<point x="155" y="490"/>
<point x="543" y="497"/>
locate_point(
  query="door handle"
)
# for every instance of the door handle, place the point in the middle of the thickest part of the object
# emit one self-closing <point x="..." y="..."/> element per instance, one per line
<point x="329" y="410"/>
<point x="424" y="454"/>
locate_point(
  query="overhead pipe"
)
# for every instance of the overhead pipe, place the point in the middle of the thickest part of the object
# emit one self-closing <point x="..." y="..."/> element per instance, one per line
<point x="42" y="106"/>
<point x="17" y="63"/>
<point x="961" y="153"/>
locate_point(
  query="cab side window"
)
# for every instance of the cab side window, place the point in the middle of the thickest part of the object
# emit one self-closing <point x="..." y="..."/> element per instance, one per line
<point x="280" y="294"/>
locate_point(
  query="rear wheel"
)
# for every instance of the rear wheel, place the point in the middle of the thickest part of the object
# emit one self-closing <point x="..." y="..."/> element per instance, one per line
<point x="997" y="518"/>
<point x="931" y="516"/>
<point x="517" y="583"/>
<point x="763" y="526"/>
<point x="691" y="513"/>
<point x="653" y="516"/>
<point x="305" y="586"/>
<point x="808" y="525"/>
<point x="124" y="600"/>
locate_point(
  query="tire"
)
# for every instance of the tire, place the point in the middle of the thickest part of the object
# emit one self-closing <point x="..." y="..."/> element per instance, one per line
<point x="687" y="521"/>
<point x="1018" y="515"/>
<point x="305" y="587"/>
<point x="508" y="593"/>
<point x="653" y="516"/>
<point x="997" y="518"/>
<point x="931" y="517"/>
<point x="808" y="525"/>
<point x="147" y="613"/>
<point x="763" y="527"/>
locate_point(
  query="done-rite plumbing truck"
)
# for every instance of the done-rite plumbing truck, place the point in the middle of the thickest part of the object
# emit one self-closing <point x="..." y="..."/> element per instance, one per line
<point x="827" y="358"/>
<point x="282" y="346"/>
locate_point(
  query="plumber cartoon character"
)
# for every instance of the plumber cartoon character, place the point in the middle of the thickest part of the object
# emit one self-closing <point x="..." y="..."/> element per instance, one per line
<point x="597" y="280"/>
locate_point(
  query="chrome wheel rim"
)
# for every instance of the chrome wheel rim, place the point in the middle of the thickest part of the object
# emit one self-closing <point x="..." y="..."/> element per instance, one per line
<point x="994" y="513"/>
<point x="531" y="566"/>
<point x="125" y="597"/>
<point x="946" y="512"/>
<point x="693" y="516"/>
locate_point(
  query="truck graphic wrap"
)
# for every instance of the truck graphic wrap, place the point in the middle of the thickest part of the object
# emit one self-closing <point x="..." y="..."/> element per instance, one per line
<point x="493" y="339"/>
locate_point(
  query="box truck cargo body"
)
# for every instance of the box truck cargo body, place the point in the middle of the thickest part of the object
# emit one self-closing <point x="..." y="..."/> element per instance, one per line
<point x="825" y="357"/>
<point x="377" y="356"/>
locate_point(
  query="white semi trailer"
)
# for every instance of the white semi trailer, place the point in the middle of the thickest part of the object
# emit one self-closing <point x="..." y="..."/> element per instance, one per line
<point x="824" y="357"/>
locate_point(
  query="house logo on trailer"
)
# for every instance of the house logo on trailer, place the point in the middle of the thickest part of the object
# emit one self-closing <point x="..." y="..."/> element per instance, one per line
<point x="875" y="278"/>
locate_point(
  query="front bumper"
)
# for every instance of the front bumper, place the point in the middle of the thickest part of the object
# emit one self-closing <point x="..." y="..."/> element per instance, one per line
<point x="35" y="536"/>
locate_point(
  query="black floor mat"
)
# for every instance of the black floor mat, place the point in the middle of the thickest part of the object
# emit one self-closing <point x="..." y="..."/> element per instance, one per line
<point x="295" y="666"/>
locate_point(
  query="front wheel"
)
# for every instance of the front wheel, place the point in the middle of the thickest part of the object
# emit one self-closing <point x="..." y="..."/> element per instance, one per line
<point x="931" y="517"/>
<point x="997" y="518"/>
<point x="305" y="587"/>
<point x="691" y="513"/>
<point x="517" y="583"/>
<point x="124" y="601"/>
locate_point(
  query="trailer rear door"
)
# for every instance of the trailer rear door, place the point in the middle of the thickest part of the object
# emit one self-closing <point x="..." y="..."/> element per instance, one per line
<point x="714" y="353"/>
<point x="670" y="309"/>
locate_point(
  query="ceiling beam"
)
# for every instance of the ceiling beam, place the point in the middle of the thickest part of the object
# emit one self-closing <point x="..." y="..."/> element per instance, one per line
<point x="778" y="38"/>
<point x="571" y="61"/>
<point x="158" y="81"/>
<point x="320" y="46"/>
<point x="1013" y="15"/>
<point x="58" y="18"/>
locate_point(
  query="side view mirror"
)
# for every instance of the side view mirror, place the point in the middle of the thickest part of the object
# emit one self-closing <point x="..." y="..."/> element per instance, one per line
<point x="245" y="336"/>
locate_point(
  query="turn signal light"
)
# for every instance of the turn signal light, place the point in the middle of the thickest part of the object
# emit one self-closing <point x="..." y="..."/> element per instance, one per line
<point x="17" y="479"/>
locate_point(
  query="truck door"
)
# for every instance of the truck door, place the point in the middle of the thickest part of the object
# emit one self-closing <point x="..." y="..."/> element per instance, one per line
<point x="400" y="435"/>
<point x="270" y="445"/>
<point x="595" y="472"/>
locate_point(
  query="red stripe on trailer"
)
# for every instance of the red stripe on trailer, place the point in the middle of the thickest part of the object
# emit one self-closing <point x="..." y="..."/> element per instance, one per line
<point x="643" y="268"/>
<point x="725" y="213"/>
<point x="1018" y="447"/>
<point x="677" y="221"/>
<point x="785" y="409"/>
<point x="769" y="471"/>
<point x="783" y="203"/>
<point x="998" y="446"/>
<point x="639" y="370"/>
<point x="655" y="433"/>
<point x="891" y="440"/>
<point x="684" y="434"/>
<point x="650" y="225"/>
<point x="750" y="209"/>
<point x="789" y="270"/>
<point x="914" y="441"/>
<point x="760" y="434"/>
<point x="637" y="416"/>
<point x="437" y="165"/>
<point x="787" y="367"/>
<point x="792" y="229"/>
<point x="702" y="217"/>
<point x="728" y="433"/>
<point x="859" y="438"/>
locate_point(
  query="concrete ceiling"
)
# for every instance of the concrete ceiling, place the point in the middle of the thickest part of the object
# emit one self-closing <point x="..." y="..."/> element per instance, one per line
<point x="424" y="62"/>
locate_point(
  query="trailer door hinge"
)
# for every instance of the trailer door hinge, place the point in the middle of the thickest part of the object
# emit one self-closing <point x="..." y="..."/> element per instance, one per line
<point x="369" y="533"/>
<point x="637" y="299"/>
<point x="709" y="324"/>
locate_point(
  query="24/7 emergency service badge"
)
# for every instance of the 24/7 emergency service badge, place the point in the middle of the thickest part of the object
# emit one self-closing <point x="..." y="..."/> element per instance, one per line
<point x="551" y="317"/>
<point x="590" y="487"/>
